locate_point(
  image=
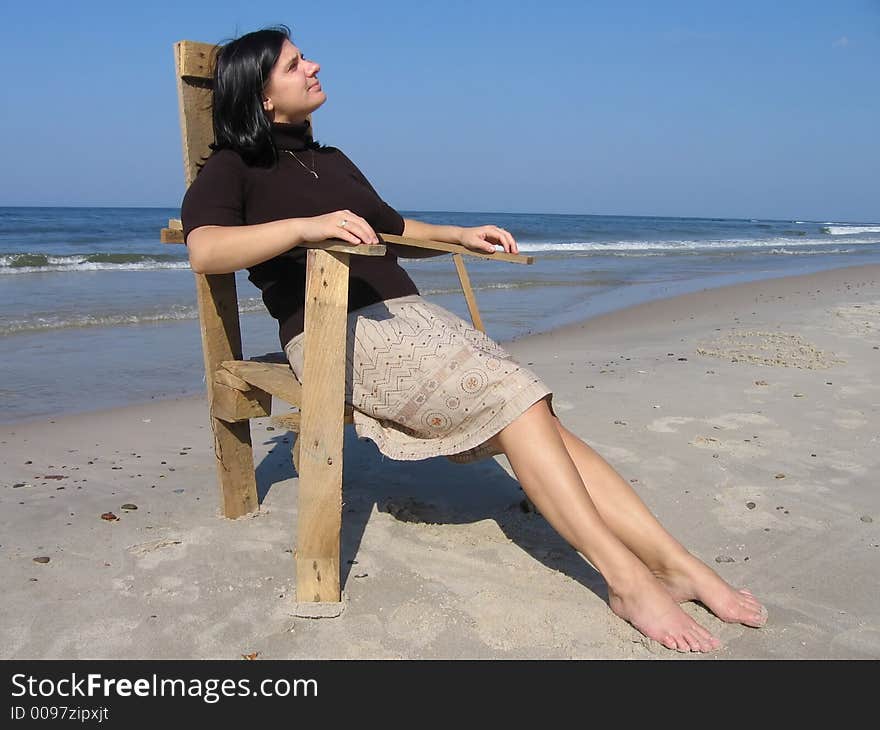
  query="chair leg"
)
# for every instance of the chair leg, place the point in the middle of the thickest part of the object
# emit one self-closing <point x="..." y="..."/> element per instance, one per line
<point x="468" y="292"/>
<point x="235" y="467"/>
<point x="319" y="521"/>
<point x="221" y="340"/>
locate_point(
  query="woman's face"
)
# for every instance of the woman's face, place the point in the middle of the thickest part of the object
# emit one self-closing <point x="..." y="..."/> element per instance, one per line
<point x="292" y="91"/>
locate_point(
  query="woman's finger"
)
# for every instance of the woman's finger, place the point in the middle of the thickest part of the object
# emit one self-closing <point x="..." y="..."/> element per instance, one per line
<point x="348" y="237"/>
<point x="509" y="236"/>
<point x="500" y="238"/>
<point x="490" y="244"/>
<point x="350" y="232"/>
<point x="507" y="240"/>
<point x="357" y="226"/>
<point x="496" y="235"/>
<point x="371" y="236"/>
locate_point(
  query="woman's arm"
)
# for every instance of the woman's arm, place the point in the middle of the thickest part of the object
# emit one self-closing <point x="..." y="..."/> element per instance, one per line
<point x="430" y="232"/>
<point x="479" y="238"/>
<point x="224" y="249"/>
<point x="425" y="232"/>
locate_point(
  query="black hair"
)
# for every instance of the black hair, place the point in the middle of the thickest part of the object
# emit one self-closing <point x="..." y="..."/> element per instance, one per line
<point x="241" y="70"/>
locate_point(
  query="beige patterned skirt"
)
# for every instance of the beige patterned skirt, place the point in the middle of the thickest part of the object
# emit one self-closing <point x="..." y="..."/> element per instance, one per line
<point x="423" y="382"/>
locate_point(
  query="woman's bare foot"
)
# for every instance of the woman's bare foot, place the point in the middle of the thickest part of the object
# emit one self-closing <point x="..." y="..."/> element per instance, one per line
<point x="650" y="609"/>
<point x="690" y="579"/>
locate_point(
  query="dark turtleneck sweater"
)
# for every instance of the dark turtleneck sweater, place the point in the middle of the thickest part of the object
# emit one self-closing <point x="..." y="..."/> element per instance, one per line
<point x="228" y="192"/>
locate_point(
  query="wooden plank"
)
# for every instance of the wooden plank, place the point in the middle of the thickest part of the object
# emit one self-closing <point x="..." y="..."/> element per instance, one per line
<point x="235" y="467"/>
<point x="231" y="405"/>
<point x="221" y="340"/>
<point x="293" y="421"/>
<point x="174" y="232"/>
<point x="196" y="60"/>
<point x="468" y="292"/>
<point x="276" y="379"/>
<point x="288" y="421"/>
<point x="222" y="375"/>
<point x="512" y="258"/>
<point x="334" y="244"/>
<point x="170" y="235"/>
<point x="194" y="98"/>
<point x="320" y="459"/>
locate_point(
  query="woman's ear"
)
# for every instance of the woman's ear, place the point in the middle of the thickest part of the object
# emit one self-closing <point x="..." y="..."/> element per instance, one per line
<point x="267" y="104"/>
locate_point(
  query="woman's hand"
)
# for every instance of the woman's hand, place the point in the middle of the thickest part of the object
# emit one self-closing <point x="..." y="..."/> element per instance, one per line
<point x="342" y="224"/>
<point x="486" y="238"/>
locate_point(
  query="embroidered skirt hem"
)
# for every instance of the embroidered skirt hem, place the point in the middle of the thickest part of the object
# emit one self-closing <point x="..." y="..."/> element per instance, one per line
<point x="424" y="383"/>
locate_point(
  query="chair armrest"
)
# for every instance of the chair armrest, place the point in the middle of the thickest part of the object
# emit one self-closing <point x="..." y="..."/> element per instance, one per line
<point x="513" y="258"/>
<point x="340" y="246"/>
<point x="174" y="234"/>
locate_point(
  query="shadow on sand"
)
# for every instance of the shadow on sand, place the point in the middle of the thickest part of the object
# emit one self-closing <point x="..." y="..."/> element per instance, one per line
<point x="433" y="491"/>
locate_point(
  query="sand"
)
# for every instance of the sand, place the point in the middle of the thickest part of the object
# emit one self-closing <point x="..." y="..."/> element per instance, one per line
<point x="746" y="417"/>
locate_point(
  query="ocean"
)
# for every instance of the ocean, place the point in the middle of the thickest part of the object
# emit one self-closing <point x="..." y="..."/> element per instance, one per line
<point x="95" y="312"/>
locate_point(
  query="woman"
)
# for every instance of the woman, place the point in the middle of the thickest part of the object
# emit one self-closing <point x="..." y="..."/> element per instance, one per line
<point x="268" y="187"/>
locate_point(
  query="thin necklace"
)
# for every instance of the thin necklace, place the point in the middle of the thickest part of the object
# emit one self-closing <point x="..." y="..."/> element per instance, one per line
<point x="305" y="167"/>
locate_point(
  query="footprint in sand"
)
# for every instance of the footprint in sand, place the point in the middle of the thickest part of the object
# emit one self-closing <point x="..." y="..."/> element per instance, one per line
<point x="858" y="320"/>
<point x="668" y="424"/>
<point x="150" y="554"/>
<point x="735" y="516"/>
<point x="774" y="349"/>
<point x="737" y="448"/>
<point x="737" y="420"/>
<point x="725" y="421"/>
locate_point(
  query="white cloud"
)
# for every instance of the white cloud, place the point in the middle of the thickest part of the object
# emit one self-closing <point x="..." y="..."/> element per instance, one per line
<point x="841" y="42"/>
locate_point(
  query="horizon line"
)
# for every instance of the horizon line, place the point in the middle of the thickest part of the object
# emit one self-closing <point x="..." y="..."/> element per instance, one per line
<point x="498" y="212"/>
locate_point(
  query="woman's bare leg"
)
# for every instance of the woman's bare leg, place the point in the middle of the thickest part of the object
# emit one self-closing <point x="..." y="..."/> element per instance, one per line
<point x="550" y="478"/>
<point x="686" y="577"/>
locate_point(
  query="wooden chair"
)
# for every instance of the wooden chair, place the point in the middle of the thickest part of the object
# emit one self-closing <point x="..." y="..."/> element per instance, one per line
<point x="239" y="390"/>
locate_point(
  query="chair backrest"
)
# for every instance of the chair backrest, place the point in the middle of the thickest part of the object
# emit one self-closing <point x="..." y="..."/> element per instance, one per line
<point x="195" y="71"/>
<point x="216" y="293"/>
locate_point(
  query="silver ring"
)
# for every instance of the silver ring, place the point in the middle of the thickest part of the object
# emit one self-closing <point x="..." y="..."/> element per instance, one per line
<point x="344" y="223"/>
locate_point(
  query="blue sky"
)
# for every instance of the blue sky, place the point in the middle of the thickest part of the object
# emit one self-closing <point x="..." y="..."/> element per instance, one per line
<point x="745" y="109"/>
